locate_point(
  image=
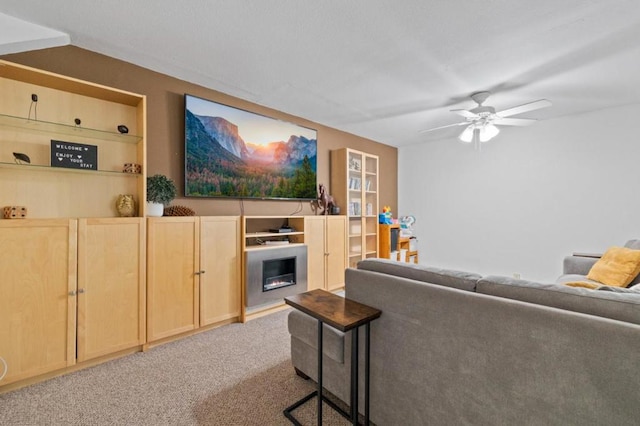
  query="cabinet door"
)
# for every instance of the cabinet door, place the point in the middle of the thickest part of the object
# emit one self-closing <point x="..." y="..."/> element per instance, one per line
<point x="336" y="239"/>
<point x="220" y="279"/>
<point x="111" y="290"/>
<point x="172" y="261"/>
<point x="37" y="302"/>
<point x="314" y="230"/>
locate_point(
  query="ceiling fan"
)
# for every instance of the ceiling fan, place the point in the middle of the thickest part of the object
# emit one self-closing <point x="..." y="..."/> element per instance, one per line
<point x="482" y="121"/>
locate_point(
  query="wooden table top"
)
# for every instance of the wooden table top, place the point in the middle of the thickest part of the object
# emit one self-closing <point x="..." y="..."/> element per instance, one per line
<point x="339" y="312"/>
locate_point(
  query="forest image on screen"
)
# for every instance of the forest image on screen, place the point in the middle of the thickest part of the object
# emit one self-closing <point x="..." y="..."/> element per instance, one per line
<point x="230" y="152"/>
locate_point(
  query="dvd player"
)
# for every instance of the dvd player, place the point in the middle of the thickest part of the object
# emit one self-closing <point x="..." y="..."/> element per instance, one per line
<point x="282" y="230"/>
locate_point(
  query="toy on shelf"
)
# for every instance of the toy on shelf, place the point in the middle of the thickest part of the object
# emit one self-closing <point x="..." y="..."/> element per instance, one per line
<point x="386" y="217"/>
<point x="406" y="225"/>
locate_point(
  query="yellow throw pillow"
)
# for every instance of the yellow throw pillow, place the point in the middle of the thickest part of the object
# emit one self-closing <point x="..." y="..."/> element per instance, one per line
<point x="617" y="267"/>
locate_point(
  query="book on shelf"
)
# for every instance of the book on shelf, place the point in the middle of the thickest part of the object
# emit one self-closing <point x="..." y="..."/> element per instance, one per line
<point x="354" y="183"/>
<point x="354" y="208"/>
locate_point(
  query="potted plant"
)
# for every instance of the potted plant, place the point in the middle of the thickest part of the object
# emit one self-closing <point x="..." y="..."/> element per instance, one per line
<point x="160" y="192"/>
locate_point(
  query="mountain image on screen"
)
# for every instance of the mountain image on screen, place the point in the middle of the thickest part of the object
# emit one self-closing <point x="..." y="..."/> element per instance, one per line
<point x="219" y="163"/>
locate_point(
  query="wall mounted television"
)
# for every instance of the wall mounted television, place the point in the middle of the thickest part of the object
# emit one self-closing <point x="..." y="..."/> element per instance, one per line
<point x="230" y="152"/>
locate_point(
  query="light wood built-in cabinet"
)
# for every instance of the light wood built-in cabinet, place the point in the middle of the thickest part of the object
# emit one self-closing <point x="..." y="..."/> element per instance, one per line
<point x="111" y="285"/>
<point x="73" y="272"/>
<point x="354" y="187"/>
<point x="37" y="296"/>
<point x="193" y="273"/>
<point x="29" y="127"/>
<point x="326" y="251"/>
<point x="72" y="290"/>
<point x="220" y="259"/>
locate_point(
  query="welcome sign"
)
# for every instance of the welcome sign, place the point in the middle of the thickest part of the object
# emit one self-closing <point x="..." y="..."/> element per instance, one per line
<point x="72" y="155"/>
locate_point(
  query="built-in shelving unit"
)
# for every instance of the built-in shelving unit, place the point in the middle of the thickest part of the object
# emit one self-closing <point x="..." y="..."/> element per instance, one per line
<point x="257" y="232"/>
<point x="354" y="186"/>
<point x="29" y="124"/>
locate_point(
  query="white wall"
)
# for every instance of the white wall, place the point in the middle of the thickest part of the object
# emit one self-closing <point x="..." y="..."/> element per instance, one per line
<point x="529" y="197"/>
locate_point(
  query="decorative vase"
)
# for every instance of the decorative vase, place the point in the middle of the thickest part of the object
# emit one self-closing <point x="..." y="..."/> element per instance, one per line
<point x="155" y="209"/>
<point x="125" y="205"/>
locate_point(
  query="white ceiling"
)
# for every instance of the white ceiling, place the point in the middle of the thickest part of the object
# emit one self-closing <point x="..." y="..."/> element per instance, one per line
<point x="381" y="69"/>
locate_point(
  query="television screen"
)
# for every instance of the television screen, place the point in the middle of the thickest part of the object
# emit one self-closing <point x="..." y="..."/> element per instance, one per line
<point x="230" y="152"/>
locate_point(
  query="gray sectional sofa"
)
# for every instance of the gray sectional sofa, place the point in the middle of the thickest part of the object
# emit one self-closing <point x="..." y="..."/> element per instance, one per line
<point x="456" y="348"/>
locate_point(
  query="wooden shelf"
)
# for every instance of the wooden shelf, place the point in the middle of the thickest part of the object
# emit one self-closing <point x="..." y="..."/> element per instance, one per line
<point x="272" y="234"/>
<point x="269" y="246"/>
<point x="44" y="168"/>
<point x="48" y="127"/>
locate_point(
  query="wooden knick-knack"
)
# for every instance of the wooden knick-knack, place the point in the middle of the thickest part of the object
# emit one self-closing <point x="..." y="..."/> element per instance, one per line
<point x="125" y="205"/>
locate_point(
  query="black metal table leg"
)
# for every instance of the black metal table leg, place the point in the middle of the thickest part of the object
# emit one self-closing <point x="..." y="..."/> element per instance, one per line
<point x="367" y="337"/>
<point x="319" y="373"/>
<point x="354" y="376"/>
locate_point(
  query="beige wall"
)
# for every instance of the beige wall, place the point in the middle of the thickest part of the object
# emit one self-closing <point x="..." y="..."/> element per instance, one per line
<point x="165" y="126"/>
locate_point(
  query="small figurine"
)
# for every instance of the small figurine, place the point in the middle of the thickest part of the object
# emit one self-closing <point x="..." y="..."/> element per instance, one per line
<point x="386" y="217"/>
<point x="21" y="158"/>
<point x="325" y="201"/>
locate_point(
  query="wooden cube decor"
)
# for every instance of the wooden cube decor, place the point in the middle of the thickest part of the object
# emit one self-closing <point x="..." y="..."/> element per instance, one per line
<point x="15" y="212"/>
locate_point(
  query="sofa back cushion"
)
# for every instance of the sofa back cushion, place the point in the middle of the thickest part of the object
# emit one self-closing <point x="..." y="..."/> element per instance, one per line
<point x="622" y="306"/>
<point x="633" y="244"/>
<point x="445" y="277"/>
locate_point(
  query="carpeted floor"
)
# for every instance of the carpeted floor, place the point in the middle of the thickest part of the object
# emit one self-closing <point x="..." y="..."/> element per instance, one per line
<point x="239" y="374"/>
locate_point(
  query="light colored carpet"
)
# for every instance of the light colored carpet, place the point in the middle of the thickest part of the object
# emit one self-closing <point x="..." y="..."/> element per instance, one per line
<point x="239" y="374"/>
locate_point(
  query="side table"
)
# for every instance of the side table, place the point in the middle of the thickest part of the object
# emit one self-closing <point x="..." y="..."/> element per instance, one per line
<point x="344" y="315"/>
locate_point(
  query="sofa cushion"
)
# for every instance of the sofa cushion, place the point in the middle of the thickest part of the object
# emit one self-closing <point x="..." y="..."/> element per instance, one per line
<point x="568" y="278"/>
<point x="631" y="289"/>
<point x="305" y="328"/>
<point x="617" y="267"/>
<point x="622" y="306"/>
<point x="445" y="277"/>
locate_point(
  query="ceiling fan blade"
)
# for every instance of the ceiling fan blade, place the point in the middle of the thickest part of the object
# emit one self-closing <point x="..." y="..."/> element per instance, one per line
<point x="514" y="121"/>
<point x="465" y="113"/>
<point x="443" y="127"/>
<point x="542" y="103"/>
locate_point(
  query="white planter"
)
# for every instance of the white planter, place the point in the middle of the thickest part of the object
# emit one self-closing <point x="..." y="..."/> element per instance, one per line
<point x="155" y="209"/>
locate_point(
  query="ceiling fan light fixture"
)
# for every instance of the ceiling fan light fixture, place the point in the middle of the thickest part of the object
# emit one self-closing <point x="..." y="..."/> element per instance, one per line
<point x="488" y="132"/>
<point x="481" y="121"/>
<point x="467" y="135"/>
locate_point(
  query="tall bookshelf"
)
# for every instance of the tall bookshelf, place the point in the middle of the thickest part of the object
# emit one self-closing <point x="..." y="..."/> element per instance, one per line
<point x="354" y="187"/>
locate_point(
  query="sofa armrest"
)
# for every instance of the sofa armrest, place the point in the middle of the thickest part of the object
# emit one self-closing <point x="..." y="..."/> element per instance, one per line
<point x="578" y="265"/>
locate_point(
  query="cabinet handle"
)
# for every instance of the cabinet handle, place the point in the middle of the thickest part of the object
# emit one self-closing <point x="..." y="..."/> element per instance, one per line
<point x="199" y="272"/>
<point x="72" y="293"/>
<point x="80" y="290"/>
